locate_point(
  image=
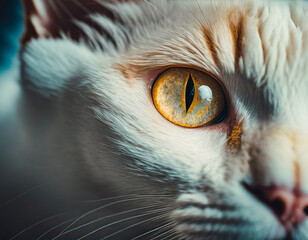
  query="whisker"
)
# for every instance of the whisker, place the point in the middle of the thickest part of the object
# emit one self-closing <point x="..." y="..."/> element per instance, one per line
<point x="192" y="13"/>
<point x="136" y="224"/>
<point x="119" y="221"/>
<point x="95" y="210"/>
<point x="55" y="227"/>
<point x="200" y="10"/>
<point x="99" y="219"/>
<point x="153" y="230"/>
<point x="125" y="196"/>
<point x="41" y="221"/>
<point x="174" y="237"/>
<point x="162" y="234"/>
<point x="157" y="9"/>
<point x="24" y="193"/>
<point x="178" y="237"/>
<point x="169" y="236"/>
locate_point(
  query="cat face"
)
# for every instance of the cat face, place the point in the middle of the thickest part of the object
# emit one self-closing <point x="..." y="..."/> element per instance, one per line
<point x="242" y="176"/>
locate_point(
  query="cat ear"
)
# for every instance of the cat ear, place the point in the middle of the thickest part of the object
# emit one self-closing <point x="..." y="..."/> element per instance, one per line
<point x="45" y="18"/>
<point x="51" y="65"/>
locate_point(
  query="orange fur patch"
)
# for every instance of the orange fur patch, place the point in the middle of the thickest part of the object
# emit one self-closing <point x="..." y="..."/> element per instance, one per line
<point x="237" y="28"/>
<point x="297" y="175"/>
<point x="126" y="70"/>
<point x="235" y="137"/>
<point x="208" y="36"/>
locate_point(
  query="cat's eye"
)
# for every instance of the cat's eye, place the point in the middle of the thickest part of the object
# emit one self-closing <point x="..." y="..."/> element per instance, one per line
<point x="189" y="98"/>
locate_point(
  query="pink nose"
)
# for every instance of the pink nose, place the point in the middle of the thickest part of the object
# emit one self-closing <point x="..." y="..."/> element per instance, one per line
<point x="290" y="207"/>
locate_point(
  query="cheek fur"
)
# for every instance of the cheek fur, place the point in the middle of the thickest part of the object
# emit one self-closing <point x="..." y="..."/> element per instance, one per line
<point x="232" y="126"/>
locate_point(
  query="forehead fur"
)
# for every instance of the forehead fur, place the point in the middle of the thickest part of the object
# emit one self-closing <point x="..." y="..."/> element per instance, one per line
<point x="261" y="44"/>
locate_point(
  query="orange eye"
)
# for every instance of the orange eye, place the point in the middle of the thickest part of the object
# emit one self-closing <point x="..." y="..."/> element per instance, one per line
<point x="188" y="97"/>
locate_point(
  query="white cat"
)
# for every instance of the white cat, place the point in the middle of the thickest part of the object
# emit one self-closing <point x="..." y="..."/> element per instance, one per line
<point x="188" y="118"/>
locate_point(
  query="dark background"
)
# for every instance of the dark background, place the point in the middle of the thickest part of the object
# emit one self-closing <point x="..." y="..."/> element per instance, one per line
<point x="11" y="25"/>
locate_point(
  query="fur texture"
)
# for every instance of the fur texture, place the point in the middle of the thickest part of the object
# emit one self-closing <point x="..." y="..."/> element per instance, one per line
<point x="102" y="122"/>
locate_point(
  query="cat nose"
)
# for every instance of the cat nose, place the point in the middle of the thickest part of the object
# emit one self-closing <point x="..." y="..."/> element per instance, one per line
<point x="290" y="207"/>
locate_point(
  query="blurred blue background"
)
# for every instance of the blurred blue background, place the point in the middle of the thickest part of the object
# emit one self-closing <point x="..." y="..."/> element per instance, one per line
<point x="11" y="27"/>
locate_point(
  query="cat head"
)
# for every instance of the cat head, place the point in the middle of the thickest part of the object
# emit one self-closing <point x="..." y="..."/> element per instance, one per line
<point x="243" y="173"/>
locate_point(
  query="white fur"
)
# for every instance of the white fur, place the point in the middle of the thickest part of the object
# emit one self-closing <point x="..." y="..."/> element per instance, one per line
<point x="118" y="128"/>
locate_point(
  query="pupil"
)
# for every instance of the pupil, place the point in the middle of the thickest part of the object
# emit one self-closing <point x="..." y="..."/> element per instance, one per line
<point x="189" y="93"/>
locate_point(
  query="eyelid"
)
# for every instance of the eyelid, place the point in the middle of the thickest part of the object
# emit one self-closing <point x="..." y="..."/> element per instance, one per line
<point x="154" y="74"/>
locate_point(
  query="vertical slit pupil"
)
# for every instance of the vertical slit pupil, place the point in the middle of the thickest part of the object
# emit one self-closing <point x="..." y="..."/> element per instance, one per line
<point x="189" y="93"/>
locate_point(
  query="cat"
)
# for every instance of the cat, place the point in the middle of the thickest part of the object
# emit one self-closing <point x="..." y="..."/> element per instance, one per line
<point x="160" y="120"/>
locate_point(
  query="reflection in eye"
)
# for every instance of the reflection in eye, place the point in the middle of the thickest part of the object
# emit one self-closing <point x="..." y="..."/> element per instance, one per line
<point x="205" y="93"/>
<point x="188" y="97"/>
